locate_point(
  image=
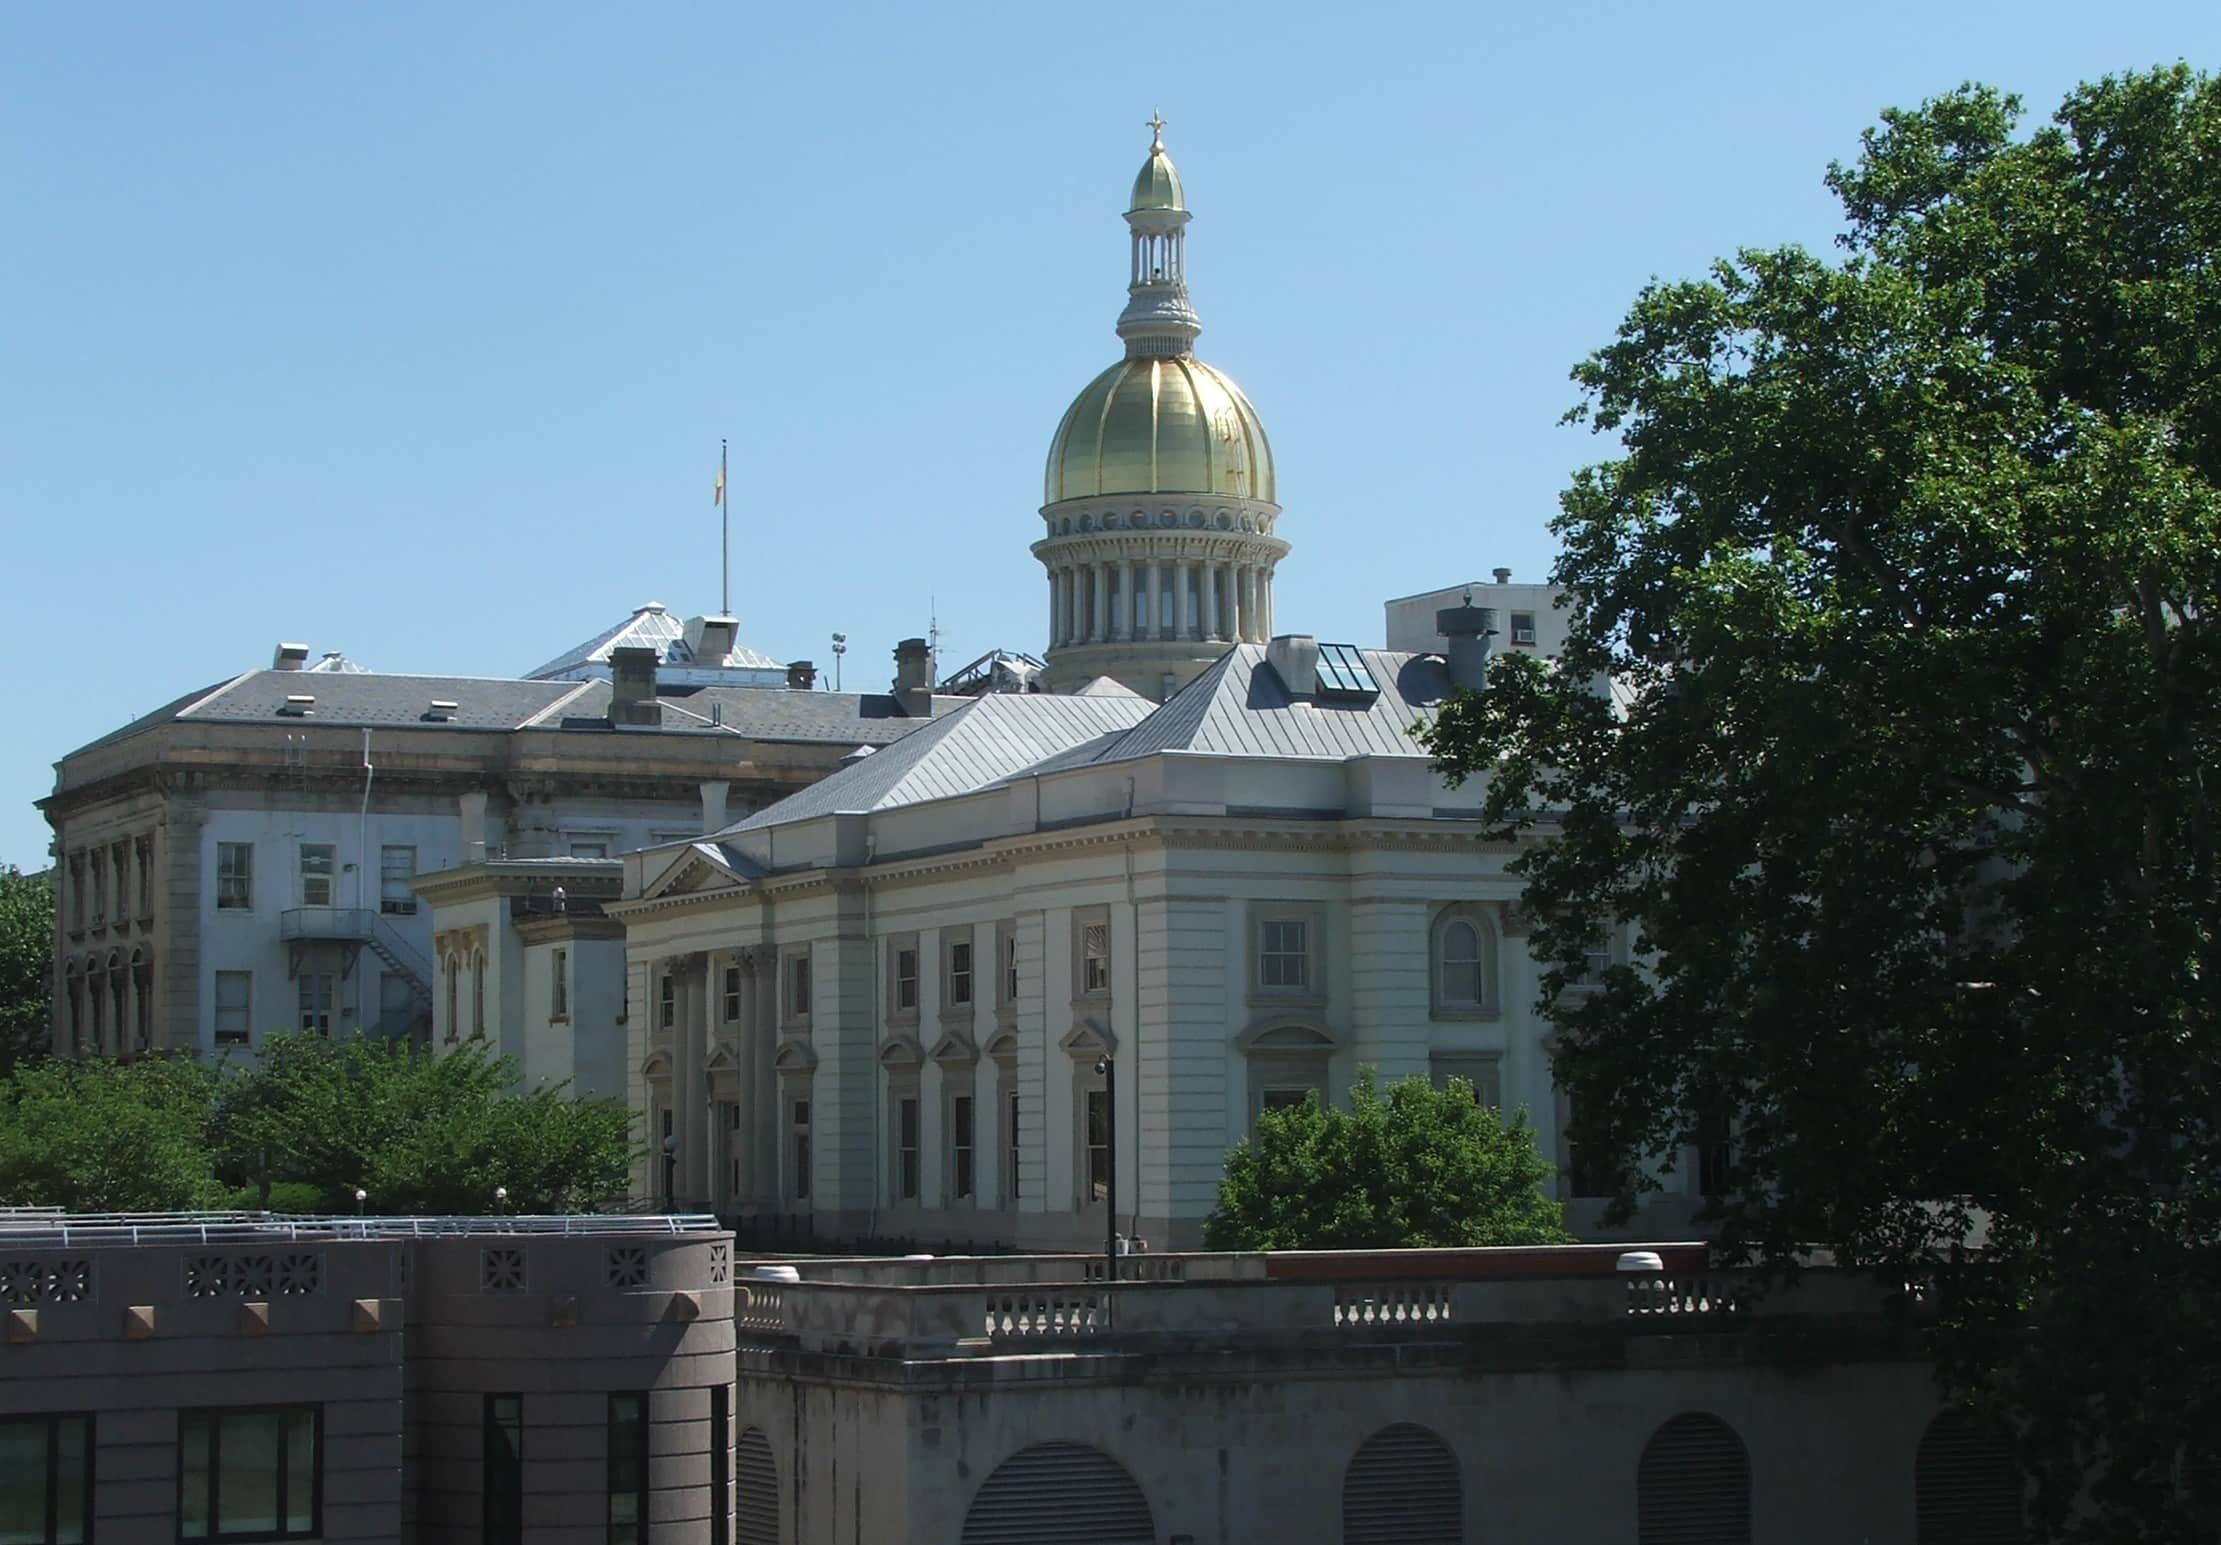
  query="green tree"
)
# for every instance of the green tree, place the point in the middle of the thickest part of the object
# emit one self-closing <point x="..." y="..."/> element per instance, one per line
<point x="1907" y="579"/>
<point x="1419" y="1166"/>
<point x="91" y="1136"/>
<point x="26" y="964"/>
<point x="420" y="1133"/>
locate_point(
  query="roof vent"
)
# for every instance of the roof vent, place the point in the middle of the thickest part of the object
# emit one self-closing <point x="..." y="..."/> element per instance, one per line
<point x="632" y="686"/>
<point x="1295" y="658"/>
<point x="711" y="638"/>
<point x="1468" y="629"/>
<point x="1503" y="576"/>
<point x="441" y="712"/>
<point x="289" y="657"/>
<point x="298" y="705"/>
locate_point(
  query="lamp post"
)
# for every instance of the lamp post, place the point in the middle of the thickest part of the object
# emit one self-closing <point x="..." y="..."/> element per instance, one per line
<point x="361" y="1196"/>
<point x="1109" y="1071"/>
<point x="670" y="1171"/>
<point x="501" y="1199"/>
<point x="840" y="647"/>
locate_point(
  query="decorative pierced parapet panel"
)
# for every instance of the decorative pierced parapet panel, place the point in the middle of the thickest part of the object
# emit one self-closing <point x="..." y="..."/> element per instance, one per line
<point x="1142" y="1268"/>
<point x="1419" y="1303"/>
<point x="720" y="1263"/>
<point x="254" y="1275"/>
<point x="501" y="1269"/>
<point x="627" y="1266"/>
<point x="45" y="1281"/>
<point x="760" y="1306"/>
<point x="1679" y="1295"/>
<point x="1049" y="1312"/>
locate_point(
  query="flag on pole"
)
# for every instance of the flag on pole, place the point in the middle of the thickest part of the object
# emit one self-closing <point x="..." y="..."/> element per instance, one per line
<point x="717" y="496"/>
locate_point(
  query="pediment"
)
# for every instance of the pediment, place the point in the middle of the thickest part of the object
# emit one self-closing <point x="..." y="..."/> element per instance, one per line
<point x="1285" y="1036"/>
<point x="657" y="1066"/>
<point x="1090" y="1038"/>
<point x="900" y="1051"/>
<point x="692" y="873"/>
<point x="955" y="1048"/>
<point x="1004" y="1046"/>
<point x="794" y="1057"/>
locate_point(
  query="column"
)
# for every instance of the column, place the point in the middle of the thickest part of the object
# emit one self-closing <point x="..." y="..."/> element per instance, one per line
<point x="1150" y="619"/>
<point x="1099" y="574"/>
<point x="1210" y="598"/>
<point x="689" y="1094"/>
<point x="1056" y="609"/>
<point x="1071" y="605"/>
<point x="1241" y="603"/>
<point x="1183" y="606"/>
<point x="1127" y="622"/>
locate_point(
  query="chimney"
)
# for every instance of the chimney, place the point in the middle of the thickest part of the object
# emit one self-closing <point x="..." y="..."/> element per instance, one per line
<point x="714" y="791"/>
<point x="914" y="678"/>
<point x="289" y="657"/>
<point x="1468" y="629"/>
<point x="471" y="808"/>
<point x="711" y="639"/>
<point x="1295" y="657"/>
<point x="632" y="686"/>
<point x="1503" y="576"/>
<point x="802" y="675"/>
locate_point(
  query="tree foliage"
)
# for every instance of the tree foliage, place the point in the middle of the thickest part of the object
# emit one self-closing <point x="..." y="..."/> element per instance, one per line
<point x="107" y="1137"/>
<point x="26" y="964"/>
<point x="1906" y="578"/>
<point x="1419" y="1166"/>
<point x="304" y="1127"/>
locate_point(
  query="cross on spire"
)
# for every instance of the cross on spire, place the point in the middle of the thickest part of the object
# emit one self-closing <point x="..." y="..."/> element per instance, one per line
<point x="1156" y="129"/>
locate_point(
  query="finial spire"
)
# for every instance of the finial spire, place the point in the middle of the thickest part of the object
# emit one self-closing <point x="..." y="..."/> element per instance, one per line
<point x="1156" y="129"/>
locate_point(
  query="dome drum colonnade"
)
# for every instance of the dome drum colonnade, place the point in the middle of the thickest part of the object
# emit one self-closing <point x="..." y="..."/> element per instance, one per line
<point x="1159" y="491"/>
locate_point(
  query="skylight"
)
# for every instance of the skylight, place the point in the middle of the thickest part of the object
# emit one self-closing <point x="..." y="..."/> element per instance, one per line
<point x="1343" y="672"/>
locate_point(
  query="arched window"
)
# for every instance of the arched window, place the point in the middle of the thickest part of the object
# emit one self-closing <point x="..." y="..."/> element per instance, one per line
<point x="757" y="1494"/>
<point x="1402" y="1488"/>
<point x="1059" y="1494"/>
<point x="74" y="990"/>
<point x="477" y="995"/>
<point x="1693" y="1486"/>
<point x="1966" y="1488"/>
<point x="454" y="995"/>
<point x="1462" y="956"/>
<point x="142" y="1000"/>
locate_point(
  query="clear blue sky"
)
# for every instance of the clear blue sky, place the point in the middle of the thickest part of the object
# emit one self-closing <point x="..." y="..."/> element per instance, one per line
<point x="410" y="329"/>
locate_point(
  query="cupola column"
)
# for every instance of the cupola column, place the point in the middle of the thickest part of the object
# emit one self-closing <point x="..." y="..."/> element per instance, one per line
<point x="1128" y="622"/>
<point x="1096" y="632"/>
<point x="1148" y="618"/>
<point x="1210" y="598"/>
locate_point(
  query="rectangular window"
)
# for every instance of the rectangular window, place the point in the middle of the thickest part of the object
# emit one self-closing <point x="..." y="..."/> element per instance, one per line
<point x="720" y="1465"/>
<point x="1585" y="1171"/>
<point x="960" y="973"/>
<point x="234" y="1007"/>
<point x="317" y="990"/>
<point x="798" y="986"/>
<point x="628" y="1470"/>
<point x="250" y="1473"/>
<point x="960" y="1145"/>
<point x="1006" y="942"/>
<point x="145" y="854"/>
<point x="1095" y="958"/>
<point x="504" y="1479"/>
<point x="667" y="1001"/>
<point x="559" y="984"/>
<point x="906" y="1148"/>
<point x="589" y="850"/>
<point x="319" y="862"/>
<point x="1098" y="1145"/>
<point x="1283" y="1099"/>
<point x="1483" y="1071"/>
<point x="799" y="1120"/>
<point x="396" y="1006"/>
<point x="46" y="1480"/>
<point x="906" y="980"/>
<point x="396" y="867"/>
<point x="1010" y="1145"/>
<point x="732" y="995"/>
<point x="1523" y="627"/>
<point x="732" y="1149"/>
<point x="235" y="876"/>
<point x="1283" y="954"/>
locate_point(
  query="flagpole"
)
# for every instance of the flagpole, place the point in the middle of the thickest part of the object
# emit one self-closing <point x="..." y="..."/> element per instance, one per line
<point x="725" y="521"/>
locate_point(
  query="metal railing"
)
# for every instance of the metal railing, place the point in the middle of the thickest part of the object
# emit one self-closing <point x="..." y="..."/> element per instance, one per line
<point x="32" y="1228"/>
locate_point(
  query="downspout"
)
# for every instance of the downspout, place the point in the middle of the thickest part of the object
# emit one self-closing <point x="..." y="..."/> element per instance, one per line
<point x="878" y="1095"/>
<point x="362" y="865"/>
<point x="1133" y="981"/>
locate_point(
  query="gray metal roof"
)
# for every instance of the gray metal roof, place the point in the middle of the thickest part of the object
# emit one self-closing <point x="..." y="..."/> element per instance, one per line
<point x="760" y="713"/>
<point x="650" y="627"/>
<point x="363" y="698"/>
<point x="972" y="746"/>
<point x="1240" y="707"/>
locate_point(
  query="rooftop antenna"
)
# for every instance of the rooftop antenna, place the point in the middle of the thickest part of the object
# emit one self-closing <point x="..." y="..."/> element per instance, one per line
<point x="933" y="633"/>
<point x="725" y="535"/>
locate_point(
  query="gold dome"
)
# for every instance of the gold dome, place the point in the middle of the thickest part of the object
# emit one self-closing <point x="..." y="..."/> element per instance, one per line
<point x="1157" y="186"/>
<point x="1165" y="425"/>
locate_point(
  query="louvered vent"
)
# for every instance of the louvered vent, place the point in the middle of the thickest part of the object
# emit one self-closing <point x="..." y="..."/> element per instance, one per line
<point x="1059" y="1494"/>
<point x="1694" y="1484"/>
<point x="757" y="1494"/>
<point x="1966" y="1489"/>
<point x="1402" y="1489"/>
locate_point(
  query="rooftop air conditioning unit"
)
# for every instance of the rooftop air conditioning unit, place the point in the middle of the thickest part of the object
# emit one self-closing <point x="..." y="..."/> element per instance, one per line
<point x="442" y="711"/>
<point x="298" y="705"/>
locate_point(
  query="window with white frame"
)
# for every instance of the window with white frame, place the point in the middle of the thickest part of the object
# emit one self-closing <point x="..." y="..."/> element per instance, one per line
<point x="1482" y="1072"/>
<point x="1523" y="629"/>
<point x="731" y="995"/>
<point x="234" y="1007"/>
<point x="318" y="990"/>
<point x="902" y="994"/>
<point x="1094" y="957"/>
<point x="588" y="847"/>
<point x="1287" y="1062"/>
<point x="961" y="1157"/>
<point x="1006" y="959"/>
<point x="1095" y="1149"/>
<point x="559" y="983"/>
<point x="667" y="1000"/>
<point x="958" y="993"/>
<point x="454" y="996"/>
<point x="907" y="1152"/>
<point x="1284" y="954"/>
<point x="1462" y="950"/>
<point x="477" y="995"/>
<point x="235" y="877"/>
<point x="798" y="1149"/>
<point x="396" y="868"/>
<point x="1008" y="1093"/>
<point x="795" y="969"/>
<point x="319" y="863"/>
